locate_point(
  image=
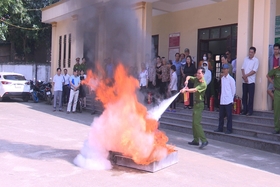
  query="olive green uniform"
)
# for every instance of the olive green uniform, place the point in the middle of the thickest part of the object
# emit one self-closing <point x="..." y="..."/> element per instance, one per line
<point x="198" y="132"/>
<point x="276" y="74"/>
<point x="77" y="67"/>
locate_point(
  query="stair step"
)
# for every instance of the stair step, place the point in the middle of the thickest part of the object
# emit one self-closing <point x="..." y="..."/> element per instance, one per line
<point x="252" y="142"/>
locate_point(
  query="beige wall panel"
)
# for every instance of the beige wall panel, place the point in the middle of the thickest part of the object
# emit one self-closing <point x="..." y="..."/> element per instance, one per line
<point x="187" y="22"/>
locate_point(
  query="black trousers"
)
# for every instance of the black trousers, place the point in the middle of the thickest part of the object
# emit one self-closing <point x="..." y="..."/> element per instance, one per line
<point x="163" y="89"/>
<point x="173" y="104"/>
<point x="65" y="93"/>
<point x="225" y="110"/>
<point x="208" y="95"/>
<point x="248" y="91"/>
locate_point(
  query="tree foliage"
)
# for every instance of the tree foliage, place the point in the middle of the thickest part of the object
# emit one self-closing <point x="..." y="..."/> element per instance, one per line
<point x="21" y="25"/>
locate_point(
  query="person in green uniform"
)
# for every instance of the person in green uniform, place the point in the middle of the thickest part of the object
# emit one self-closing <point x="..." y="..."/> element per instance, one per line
<point x="199" y="91"/>
<point x="77" y="66"/>
<point x="83" y="65"/>
<point x="274" y="74"/>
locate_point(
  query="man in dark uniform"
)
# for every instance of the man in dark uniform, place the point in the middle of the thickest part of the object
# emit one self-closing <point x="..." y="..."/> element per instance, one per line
<point x="275" y="74"/>
<point x="199" y="91"/>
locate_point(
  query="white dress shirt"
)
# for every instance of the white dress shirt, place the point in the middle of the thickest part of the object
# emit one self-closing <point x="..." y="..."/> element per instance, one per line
<point x="173" y="82"/>
<point x="66" y="79"/>
<point x="143" y="77"/>
<point x="248" y="66"/>
<point x="228" y="90"/>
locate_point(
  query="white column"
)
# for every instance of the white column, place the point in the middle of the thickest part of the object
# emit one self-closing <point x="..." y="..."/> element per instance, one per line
<point x="54" y="50"/>
<point x="244" y="38"/>
<point x="263" y="36"/>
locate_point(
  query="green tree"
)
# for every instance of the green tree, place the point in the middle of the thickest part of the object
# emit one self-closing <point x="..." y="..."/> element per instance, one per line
<point x="21" y="25"/>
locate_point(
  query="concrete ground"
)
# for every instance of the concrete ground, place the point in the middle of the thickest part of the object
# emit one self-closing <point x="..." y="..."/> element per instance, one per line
<point x="37" y="147"/>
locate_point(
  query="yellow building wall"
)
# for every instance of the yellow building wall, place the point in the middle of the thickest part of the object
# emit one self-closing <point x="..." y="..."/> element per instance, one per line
<point x="188" y="21"/>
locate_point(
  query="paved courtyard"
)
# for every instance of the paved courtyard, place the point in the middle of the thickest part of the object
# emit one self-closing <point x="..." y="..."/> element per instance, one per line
<point x="37" y="147"/>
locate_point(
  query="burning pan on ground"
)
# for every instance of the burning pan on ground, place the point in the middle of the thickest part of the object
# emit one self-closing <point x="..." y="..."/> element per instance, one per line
<point x="120" y="160"/>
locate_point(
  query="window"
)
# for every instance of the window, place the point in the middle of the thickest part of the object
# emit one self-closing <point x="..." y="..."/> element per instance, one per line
<point x="14" y="77"/>
<point x="215" y="33"/>
<point x="59" y="51"/>
<point x="225" y="32"/>
<point x="64" y="51"/>
<point x="69" y="51"/>
<point x="204" y="34"/>
<point x="155" y="42"/>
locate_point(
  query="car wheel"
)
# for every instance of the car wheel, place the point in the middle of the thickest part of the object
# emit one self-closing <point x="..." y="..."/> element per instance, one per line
<point x="25" y="99"/>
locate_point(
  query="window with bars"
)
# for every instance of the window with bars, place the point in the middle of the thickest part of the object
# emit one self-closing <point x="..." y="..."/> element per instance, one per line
<point x="69" y="51"/>
<point x="59" y="51"/>
<point x="64" y="50"/>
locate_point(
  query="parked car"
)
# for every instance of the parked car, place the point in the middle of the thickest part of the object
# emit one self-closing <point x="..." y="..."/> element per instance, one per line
<point x="14" y="85"/>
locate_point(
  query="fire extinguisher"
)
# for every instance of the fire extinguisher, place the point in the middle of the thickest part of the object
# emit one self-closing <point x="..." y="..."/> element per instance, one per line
<point x="149" y="98"/>
<point x="212" y="103"/>
<point x="234" y="105"/>
<point x="238" y="105"/>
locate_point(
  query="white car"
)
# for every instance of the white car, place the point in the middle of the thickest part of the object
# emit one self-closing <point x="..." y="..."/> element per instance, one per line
<point x="14" y="85"/>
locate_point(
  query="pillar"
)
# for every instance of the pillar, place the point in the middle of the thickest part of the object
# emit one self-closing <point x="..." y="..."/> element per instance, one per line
<point x="77" y="45"/>
<point x="263" y="36"/>
<point x="244" y="38"/>
<point x="54" y="50"/>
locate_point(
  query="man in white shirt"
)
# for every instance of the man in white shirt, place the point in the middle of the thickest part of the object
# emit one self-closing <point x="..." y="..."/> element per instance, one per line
<point x="249" y="69"/>
<point x="66" y="87"/>
<point x="208" y="78"/>
<point x="227" y="95"/>
<point x="74" y="92"/>
<point x="58" y="81"/>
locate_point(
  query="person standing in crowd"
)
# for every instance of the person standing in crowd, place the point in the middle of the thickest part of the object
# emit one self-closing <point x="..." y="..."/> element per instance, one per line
<point x="227" y="96"/>
<point x="233" y="63"/>
<point x="249" y="69"/>
<point x="82" y="91"/>
<point x="77" y="66"/>
<point x="225" y="61"/>
<point x="275" y="74"/>
<point x="208" y="79"/>
<point x="204" y="59"/>
<point x="74" y="93"/>
<point x="152" y="74"/>
<point x="177" y="64"/>
<point x="172" y="87"/>
<point x="189" y="70"/>
<point x="211" y="62"/>
<point x="109" y="68"/>
<point x="83" y="65"/>
<point x="274" y="61"/>
<point x="158" y="71"/>
<point x="66" y="87"/>
<point x="58" y="82"/>
<point x="199" y="91"/>
<point x="228" y="56"/>
<point x="165" y="78"/>
<point x="143" y="78"/>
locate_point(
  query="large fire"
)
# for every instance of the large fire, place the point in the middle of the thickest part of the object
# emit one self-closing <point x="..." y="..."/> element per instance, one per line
<point x="124" y="126"/>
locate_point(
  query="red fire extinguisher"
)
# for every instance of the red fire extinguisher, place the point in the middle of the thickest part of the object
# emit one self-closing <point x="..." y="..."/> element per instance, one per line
<point x="212" y="103"/>
<point x="238" y="105"/>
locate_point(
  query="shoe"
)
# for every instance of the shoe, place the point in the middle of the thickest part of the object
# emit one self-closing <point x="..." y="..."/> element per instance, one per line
<point x="228" y="132"/>
<point x="276" y="132"/>
<point x="173" y="110"/>
<point x="193" y="143"/>
<point x="218" y="130"/>
<point x="93" y="112"/>
<point x="204" y="144"/>
<point x="249" y="114"/>
<point x="54" y="110"/>
<point x="60" y="110"/>
<point x="68" y="112"/>
<point x="168" y="110"/>
<point x="243" y="113"/>
<point x="74" y="112"/>
<point x="189" y="107"/>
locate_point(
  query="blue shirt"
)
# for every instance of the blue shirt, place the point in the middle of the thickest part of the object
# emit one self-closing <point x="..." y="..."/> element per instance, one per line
<point x="178" y="67"/>
<point x="75" y="80"/>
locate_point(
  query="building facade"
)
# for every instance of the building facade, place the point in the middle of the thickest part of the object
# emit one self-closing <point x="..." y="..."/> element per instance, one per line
<point x="215" y="25"/>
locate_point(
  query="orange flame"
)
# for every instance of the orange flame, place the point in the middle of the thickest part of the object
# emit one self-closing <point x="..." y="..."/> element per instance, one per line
<point x="124" y="125"/>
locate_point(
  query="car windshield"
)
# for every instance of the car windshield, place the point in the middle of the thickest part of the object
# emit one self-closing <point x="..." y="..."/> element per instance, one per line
<point x="14" y="77"/>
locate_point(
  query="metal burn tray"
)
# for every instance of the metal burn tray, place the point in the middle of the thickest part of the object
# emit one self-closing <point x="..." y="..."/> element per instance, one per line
<point x="120" y="160"/>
